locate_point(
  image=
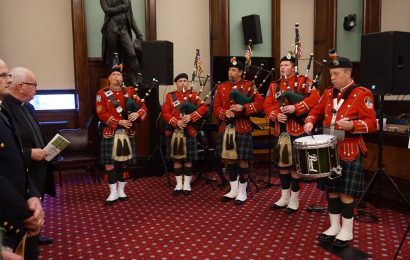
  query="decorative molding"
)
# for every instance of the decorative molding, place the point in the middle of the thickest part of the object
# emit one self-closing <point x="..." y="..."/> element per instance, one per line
<point x="150" y="20"/>
<point x="219" y="23"/>
<point x="324" y="34"/>
<point x="81" y="61"/>
<point x="276" y="32"/>
<point x="371" y="16"/>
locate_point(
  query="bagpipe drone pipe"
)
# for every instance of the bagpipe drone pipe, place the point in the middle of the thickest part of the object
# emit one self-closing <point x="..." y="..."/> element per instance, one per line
<point x="147" y="86"/>
<point x="294" y="96"/>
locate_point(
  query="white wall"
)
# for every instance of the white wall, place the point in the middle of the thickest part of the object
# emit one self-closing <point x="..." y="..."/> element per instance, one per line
<point x="38" y="35"/>
<point x="395" y="15"/>
<point x="186" y="24"/>
<point x="302" y="12"/>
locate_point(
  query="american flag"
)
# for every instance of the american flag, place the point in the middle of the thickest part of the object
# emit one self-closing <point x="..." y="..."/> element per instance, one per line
<point x="298" y="49"/>
<point x="199" y="65"/>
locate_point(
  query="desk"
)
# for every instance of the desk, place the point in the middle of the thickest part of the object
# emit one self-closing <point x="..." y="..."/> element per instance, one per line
<point x="396" y="155"/>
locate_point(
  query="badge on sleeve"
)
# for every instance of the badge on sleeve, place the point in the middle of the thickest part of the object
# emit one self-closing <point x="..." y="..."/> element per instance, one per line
<point x="368" y="102"/>
<point x="99" y="108"/>
<point x="98" y="98"/>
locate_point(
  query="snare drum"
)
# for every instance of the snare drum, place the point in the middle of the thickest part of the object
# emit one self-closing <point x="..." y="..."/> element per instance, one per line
<point x="316" y="156"/>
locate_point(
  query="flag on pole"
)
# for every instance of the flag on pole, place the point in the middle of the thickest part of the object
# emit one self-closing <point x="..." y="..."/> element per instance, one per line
<point x="298" y="50"/>
<point x="199" y="64"/>
<point x="116" y="62"/>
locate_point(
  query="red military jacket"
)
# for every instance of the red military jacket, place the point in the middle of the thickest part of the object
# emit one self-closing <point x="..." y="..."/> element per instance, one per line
<point x="272" y="105"/>
<point x="171" y="114"/>
<point x="358" y="105"/>
<point x="222" y="103"/>
<point x="110" y="115"/>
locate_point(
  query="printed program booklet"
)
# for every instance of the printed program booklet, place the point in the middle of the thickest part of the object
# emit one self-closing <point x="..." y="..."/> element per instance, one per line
<point x="55" y="146"/>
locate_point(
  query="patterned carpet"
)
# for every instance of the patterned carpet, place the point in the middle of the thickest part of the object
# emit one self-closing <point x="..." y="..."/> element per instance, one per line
<point x="153" y="224"/>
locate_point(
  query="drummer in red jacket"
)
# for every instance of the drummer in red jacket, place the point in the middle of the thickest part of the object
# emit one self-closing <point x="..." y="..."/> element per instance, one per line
<point x="347" y="111"/>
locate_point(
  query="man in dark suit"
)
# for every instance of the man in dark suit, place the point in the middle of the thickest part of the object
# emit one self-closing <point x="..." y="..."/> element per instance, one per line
<point x="20" y="206"/>
<point x="22" y="90"/>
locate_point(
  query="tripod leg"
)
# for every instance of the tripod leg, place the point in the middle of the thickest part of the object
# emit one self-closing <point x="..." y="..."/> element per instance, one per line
<point x="249" y="186"/>
<point x="397" y="189"/>
<point x="252" y="180"/>
<point x="164" y="164"/>
<point x="368" y="187"/>
<point x="402" y="242"/>
<point x="221" y="176"/>
<point x="317" y="208"/>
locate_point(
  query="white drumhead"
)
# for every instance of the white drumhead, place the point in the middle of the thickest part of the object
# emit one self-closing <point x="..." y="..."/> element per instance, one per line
<point x="315" y="139"/>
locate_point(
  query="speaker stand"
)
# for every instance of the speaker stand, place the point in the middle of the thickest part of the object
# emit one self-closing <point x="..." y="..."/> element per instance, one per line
<point x="158" y="147"/>
<point x="379" y="170"/>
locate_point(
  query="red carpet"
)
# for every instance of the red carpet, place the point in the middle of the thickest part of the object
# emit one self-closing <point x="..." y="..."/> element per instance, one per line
<point x="153" y="224"/>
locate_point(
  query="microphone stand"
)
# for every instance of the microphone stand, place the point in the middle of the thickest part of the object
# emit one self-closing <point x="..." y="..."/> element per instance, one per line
<point x="379" y="170"/>
<point x="208" y="158"/>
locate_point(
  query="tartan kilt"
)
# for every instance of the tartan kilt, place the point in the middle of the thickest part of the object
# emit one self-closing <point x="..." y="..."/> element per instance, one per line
<point x="351" y="182"/>
<point x="191" y="148"/>
<point x="106" y="151"/>
<point x="244" y="146"/>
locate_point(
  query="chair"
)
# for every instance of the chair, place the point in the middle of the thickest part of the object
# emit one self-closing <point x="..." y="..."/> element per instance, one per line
<point x="77" y="154"/>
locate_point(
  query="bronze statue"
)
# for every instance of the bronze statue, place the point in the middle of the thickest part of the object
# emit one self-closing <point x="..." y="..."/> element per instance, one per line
<point x="117" y="38"/>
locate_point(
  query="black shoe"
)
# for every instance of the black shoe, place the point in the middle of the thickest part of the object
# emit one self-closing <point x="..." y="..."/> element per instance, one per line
<point x="186" y="192"/>
<point x="45" y="240"/>
<point x="110" y="202"/>
<point x="239" y="202"/>
<point x="275" y="207"/>
<point x="340" y="243"/>
<point x="226" y="199"/>
<point x="177" y="192"/>
<point x="323" y="238"/>
<point x="123" y="198"/>
<point x="290" y="211"/>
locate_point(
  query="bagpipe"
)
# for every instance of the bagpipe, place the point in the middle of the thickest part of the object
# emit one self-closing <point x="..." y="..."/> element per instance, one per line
<point x="190" y="104"/>
<point x="294" y="97"/>
<point x="241" y="96"/>
<point x="130" y="105"/>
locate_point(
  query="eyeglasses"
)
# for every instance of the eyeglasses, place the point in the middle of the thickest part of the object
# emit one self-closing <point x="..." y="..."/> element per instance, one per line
<point x="6" y="75"/>
<point x="31" y="84"/>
